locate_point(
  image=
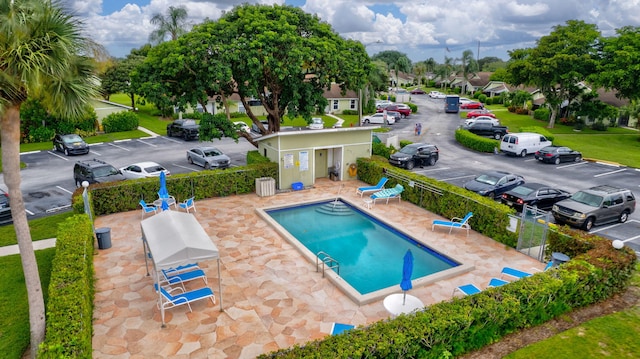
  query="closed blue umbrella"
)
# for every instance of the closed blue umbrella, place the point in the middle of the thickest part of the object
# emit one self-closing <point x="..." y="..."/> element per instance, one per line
<point x="165" y="205"/>
<point x="407" y="270"/>
<point x="163" y="193"/>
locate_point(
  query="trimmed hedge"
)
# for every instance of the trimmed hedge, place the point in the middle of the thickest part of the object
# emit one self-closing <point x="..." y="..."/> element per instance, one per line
<point x="69" y="325"/>
<point x="537" y="129"/>
<point x="475" y="142"/>
<point x="120" y="121"/>
<point x="114" y="197"/>
<point x="458" y="326"/>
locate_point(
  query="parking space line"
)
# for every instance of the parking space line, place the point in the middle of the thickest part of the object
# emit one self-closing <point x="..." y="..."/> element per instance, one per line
<point x="630" y="239"/>
<point x="172" y="140"/>
<point x="125" y="140"/>
<point x="573" y="165"/>
<point x="57" y="155"/>
<point x="612" y="226"/>
<point x="455" y="178"/>
<point x="64" y="189"/>
<point x="186" y="168"/>
<point x="120" y="147"/>
<point x="29" y="212"/>
<point x="29" y="152"/>
<point x="610" y="173"/>
<point x="96" y="153"/>
<point x="148" y="144"/>
<point x="433" y="169"/>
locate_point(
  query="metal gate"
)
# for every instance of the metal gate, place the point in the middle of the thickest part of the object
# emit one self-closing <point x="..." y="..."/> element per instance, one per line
<point x="532" y="234"/>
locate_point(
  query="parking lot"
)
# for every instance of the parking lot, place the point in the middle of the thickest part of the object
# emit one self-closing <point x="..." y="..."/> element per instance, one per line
<point x="47" y="182"/>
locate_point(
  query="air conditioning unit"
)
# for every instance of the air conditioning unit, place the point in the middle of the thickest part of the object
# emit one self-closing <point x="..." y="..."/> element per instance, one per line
<point x="265" y="186"/>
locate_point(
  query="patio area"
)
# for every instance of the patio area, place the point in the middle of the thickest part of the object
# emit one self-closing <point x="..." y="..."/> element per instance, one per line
<point x="272" y="296"/>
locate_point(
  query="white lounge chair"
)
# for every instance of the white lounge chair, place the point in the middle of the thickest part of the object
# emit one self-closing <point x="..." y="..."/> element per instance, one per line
<point x="455" y="222"/>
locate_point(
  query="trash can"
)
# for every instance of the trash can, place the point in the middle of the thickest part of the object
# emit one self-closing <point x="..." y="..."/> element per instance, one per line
<point x="558" y="258"/>
<point x="104" y="237"/>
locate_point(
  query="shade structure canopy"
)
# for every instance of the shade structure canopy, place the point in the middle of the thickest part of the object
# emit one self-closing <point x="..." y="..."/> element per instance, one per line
<point x="174" y="239"/>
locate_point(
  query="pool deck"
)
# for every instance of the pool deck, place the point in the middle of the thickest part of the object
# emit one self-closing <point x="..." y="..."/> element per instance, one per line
<point x="272" y="296"/>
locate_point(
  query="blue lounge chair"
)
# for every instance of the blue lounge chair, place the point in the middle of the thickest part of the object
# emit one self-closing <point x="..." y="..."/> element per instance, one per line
<point x="378" y="187"/>
<point x="181" y="277"/>
<point x="455" y="222"/>
<point x="388" y="193"/>
<point x="515" y="273"/>
<point x="176" y="299"/>
<point x="338" y="328"/>
<point x="147" y="208"/>
<point x="496" y="282"/>
<point x="467" y="289"/>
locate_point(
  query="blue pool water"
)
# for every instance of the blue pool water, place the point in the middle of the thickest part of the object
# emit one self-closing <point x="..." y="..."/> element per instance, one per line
<point x="370" y="252"/>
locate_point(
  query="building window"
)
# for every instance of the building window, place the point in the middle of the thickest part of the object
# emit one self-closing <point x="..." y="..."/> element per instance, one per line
<point x="353" y="104"/>
<point x="335" y="104"/>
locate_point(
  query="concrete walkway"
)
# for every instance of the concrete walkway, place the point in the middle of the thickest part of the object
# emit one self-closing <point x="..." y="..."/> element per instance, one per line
<point x="13" y="249"/>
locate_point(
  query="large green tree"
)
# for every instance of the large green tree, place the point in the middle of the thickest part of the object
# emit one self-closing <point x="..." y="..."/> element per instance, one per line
<point x="557" y="64"/>
<point x="40" y="47"/>
<point x="173" y="25"/>
<point x="287" y="58"/>
<point x="619" y="68"/>
<point x="395" y="60"/>
<point x="117" y="78"/>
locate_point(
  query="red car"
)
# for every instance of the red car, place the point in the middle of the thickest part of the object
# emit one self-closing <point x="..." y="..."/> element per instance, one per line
<point x="472" y="106"/>
<point x="402" y="108"/>
<point x="476" y="113"/>
<point x="418" y="92"/>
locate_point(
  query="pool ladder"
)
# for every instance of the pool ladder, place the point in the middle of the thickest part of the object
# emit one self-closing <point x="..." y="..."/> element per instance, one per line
<point x="327" y="262"/>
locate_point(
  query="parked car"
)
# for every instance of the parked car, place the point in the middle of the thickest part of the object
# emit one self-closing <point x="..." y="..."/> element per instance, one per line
<point x="437" y="94"/>
<point x="400" y="107"/>
<point x="463" y="100"/>
<point x="557" y="154"/>
<point x="379" y="119"/>
<point x="493" y="184"/>
<point x="415" y="154"/>
<point x="397" y="115"/>
<point x="535" y="195"/>
<point x="255" y="129"/>
<point x="242" y="127"/>
<point x="481" y="112"/>
<point x="70" y="144"/>
<point x="418" y="92"/>
<point x="595" y="206"/>
<point x="383" y="103"/>
<point x="208" y="157"/>
<point x="472" y="106"/>
<point x="95" y="171"/>
<point x="482" y="119"/>
<point x="187" y="129"/>
<point x="143" y="170"/>
<point x="316" y="124"/>
<point x="5" y="208"/>
<point x="523" y="143"/>
<point x="482" y="128"/>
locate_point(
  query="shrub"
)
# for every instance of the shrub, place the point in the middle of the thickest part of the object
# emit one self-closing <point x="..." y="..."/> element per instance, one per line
<point x="475" y="142"/>
<point x="254" y="157"/>
<point x="482" y="98"/>
<point x="120" y="121"/>
<point x="41" y="134"/>
<point x="380" y="149"/>
<point x="413" y="106"/>
<point x="350" y="112"/>
<point x="477" y="94"/>
<point x="599" y="126"/>
<point x="404" y="143"/>
<point x="542" y="114"/>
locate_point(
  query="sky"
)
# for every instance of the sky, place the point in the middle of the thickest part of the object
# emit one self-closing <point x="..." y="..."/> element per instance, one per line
<point x="421" y="29"/>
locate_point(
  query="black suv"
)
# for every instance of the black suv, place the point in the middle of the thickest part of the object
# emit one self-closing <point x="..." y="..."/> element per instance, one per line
<point x="594" y="206"/>
<point x="5" y="208"/>
<point x="415" y="154"/>
<point x="95" y="171"/>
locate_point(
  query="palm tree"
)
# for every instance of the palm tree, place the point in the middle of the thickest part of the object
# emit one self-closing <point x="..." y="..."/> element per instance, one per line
<point x="39" y="58"/>
<point x="174" y="24"/>
<point x="402" y="64"/>
<point x="469" y="64"/>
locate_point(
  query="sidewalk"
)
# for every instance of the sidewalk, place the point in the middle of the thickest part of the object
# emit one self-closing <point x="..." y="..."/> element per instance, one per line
<point x="13" y="249"/>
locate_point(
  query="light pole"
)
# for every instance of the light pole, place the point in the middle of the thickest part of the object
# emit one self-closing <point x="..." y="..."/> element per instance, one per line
<point x="87" y="206"/>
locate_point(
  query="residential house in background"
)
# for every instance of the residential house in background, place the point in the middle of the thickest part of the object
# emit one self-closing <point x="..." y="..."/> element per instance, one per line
<point x="337" y="102"/>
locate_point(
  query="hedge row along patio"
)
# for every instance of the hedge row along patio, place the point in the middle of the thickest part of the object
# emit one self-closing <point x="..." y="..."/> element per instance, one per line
<point x="596" y="272"/>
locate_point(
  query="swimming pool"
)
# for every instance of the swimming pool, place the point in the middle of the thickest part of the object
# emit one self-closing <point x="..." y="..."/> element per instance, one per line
<point x="369" y="250"/>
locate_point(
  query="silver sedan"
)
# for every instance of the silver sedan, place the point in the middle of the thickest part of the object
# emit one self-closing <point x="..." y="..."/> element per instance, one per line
<point x="208" y="157"/>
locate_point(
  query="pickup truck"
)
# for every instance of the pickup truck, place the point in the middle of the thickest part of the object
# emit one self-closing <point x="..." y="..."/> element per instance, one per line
<point x="487" y="129"/>
<point x="187" y="129"/>
<point x="403" y="109"/>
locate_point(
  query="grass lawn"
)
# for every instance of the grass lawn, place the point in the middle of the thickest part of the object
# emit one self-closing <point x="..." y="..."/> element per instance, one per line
<point x="610" y="336"/>
<point x="14" y="316"/>
<point x="620" y="145"/>
<point x="41" y="228"/>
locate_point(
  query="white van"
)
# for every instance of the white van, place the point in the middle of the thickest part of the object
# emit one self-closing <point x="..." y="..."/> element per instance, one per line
<point x="521" y="144"/>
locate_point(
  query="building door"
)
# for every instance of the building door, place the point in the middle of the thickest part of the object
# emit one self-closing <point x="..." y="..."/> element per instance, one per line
<point x="321" y="163"/>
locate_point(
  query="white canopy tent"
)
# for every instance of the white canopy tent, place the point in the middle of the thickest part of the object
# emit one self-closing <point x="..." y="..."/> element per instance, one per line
<point x="173" y="239"/>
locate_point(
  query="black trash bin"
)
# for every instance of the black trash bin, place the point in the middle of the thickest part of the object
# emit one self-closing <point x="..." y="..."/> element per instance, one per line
<point x="104" y="237"/>
<point x="559" y="258"/>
